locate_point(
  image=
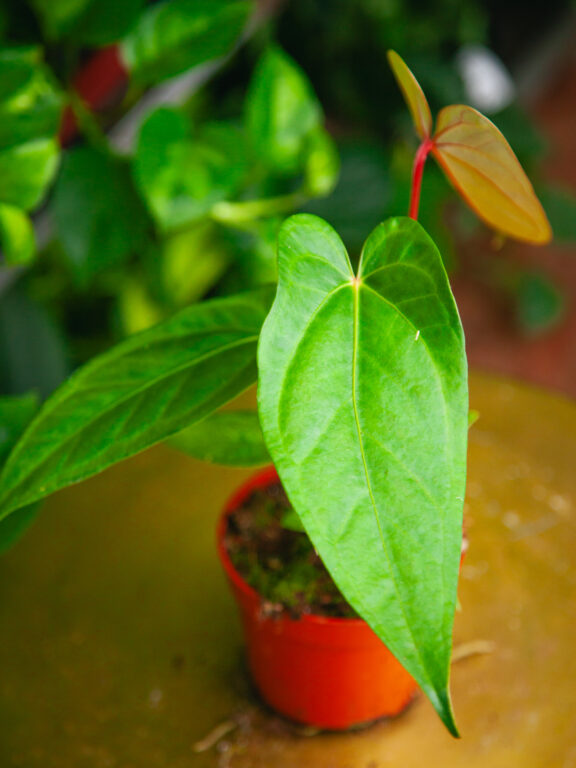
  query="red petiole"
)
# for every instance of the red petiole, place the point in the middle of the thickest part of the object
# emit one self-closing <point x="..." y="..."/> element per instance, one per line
<point x="417" y="172"/>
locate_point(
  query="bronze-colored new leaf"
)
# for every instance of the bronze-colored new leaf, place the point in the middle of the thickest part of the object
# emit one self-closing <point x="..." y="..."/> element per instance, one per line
<point x="413" y="94"/>
<point x="482" y="166"/>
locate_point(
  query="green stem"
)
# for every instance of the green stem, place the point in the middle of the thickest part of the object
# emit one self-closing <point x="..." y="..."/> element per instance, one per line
<point x="87" y="123"/>
<point x="243" y="212"/>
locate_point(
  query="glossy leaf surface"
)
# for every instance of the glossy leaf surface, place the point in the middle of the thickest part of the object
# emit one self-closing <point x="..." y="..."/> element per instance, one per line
<point x="137" y="394"/>
<point x="481" y="165"/>
<point x="363" y="403"/>
<point x="282" y="112"/>
<point x="233" y="438"/>
<point x="174" y="36"/>
<point x="413" y="94"/>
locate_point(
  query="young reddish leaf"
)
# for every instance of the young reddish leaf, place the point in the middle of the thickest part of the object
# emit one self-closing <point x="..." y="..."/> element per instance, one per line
<point x="413" y="94"/>
<point x="483" y="168"/>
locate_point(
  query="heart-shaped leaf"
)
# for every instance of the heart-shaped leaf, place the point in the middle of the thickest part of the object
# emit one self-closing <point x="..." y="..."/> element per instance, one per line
<point x="363" y="403"/>
<point x="413" y="94"/>
<point x="482" y="166"/>
<point x="137" y="394"/>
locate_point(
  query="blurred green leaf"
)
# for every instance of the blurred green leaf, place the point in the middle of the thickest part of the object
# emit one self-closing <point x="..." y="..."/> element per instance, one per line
<point x="89" y="22"/>
<point x="15" y="414"/>
<point x="16" y="236"/>
<point x="192" y="262"/>
<point x="233" y="438"/>
<point x="292" y="522"/>
<point x="322" y="164"/>
<point x="29" y="116"/>
<point x="13" y="527"/>
<point x="137" y="394"/>
<point x="182" y="176"/>
<point x="99" y="216"/>
<point x="25" y="172"/>
<point x="171" y="37"/>
<point x="33" y="355"/>
<point x="254" y="256"/>
<point x="560" y="205"/>
<point x="30" y="105"/>
<point x="58" y="16"/>
<point x="282" y="112"/>
<point x="473" y="417"/>
<point x="539" y="304"/>
<point x="137" y="309"/>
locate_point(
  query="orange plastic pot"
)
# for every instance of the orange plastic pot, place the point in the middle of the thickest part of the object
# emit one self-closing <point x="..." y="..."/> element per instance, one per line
<point x="329" y="673"/>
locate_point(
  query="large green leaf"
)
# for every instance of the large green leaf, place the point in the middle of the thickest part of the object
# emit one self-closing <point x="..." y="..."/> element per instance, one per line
<point x="98" y="213"/>
<point x="230" y="437"/>
<point x="282" y="112"/>
<point x="174" y="36"/>
<point x="138" y="393"/>
<point x="364" y="408"/>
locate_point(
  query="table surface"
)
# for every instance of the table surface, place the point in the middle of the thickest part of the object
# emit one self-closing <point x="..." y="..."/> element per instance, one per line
<point x="120" y="646"/>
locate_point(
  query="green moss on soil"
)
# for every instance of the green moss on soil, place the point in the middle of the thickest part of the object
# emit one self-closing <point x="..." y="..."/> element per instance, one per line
<point x="280" y="563"/>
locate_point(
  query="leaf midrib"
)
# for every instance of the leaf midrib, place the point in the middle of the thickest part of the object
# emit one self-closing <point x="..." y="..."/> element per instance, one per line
<point x="399" y="596"/>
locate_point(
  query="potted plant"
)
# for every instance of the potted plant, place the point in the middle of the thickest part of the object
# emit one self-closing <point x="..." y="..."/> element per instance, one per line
<point x="362" y="394"/>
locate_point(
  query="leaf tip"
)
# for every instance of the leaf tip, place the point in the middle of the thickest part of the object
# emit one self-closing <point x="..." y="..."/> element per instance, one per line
<point x="413" y="94"/>
<point x="442" y="703"/>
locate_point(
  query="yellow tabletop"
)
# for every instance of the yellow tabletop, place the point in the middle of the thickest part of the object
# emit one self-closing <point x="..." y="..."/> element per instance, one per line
<point x="120" y="646"/>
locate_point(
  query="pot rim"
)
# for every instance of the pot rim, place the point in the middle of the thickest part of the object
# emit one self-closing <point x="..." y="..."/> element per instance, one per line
<point x="261" y="479"/>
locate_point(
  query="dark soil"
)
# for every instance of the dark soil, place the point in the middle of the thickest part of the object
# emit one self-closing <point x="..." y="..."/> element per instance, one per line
<point x="280" y="563"/>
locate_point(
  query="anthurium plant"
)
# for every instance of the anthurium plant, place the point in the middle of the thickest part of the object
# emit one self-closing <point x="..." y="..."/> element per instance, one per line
<point x="362" y="395"/>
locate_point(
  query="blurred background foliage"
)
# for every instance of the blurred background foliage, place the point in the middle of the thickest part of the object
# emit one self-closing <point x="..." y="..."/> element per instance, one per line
<point x="215" y="119"/>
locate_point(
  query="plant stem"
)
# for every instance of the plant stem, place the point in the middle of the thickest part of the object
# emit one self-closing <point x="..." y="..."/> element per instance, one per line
<point x="244" y="211"/>
<point x="417" y="172"/>
<point x="87" y="122"/>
